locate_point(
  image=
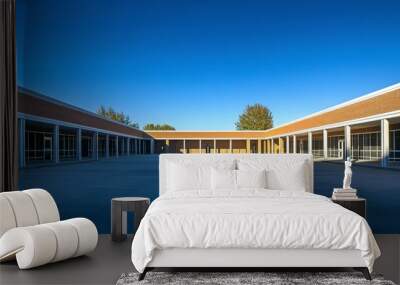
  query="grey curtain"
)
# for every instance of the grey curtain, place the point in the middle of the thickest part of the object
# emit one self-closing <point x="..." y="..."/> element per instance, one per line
<point x="8" y="99"/>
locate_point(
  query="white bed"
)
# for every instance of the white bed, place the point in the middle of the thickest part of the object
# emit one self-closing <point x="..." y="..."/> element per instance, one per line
<point x="280" y="225"/>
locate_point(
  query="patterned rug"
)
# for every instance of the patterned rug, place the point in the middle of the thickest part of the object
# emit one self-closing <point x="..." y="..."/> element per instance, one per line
<point x="269" y="278"/>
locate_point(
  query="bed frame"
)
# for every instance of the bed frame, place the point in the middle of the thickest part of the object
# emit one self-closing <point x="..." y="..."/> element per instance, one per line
<point x="233" y="259"/>
<point x="363" y="270"/>
<point x="246" y="259"/>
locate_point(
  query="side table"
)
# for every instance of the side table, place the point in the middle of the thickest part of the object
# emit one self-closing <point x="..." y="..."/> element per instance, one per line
<point x="119" y="208"/>
<point x="358" y="206"/>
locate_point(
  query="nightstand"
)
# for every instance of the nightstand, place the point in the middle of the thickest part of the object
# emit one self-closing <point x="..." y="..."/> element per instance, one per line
<point x="358" y="206"/>
<point x="119" y="209"/>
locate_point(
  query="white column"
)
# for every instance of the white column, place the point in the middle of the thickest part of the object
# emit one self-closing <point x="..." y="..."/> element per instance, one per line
<point x="325" y="143"/>
<point x="129" y="146"/>
<point x="107" y="145"/>
<point x="125" y="144"/>
<point x="140" y="146"/>
<point x="21" y="142"/>
<point x="280" y="142"/>
<point x="215" y="146"/>
<point x="79" y="144"/>
<point x="199" y="146"/>
<point x="152" y="146"/>
<point x="136" y="146"/>
<point x="272" y="146"/>
<point x="184" y="146"/>
<point x="95" y="147"/>
<point x="385" y="142"/>
<point x="230" y="146"/>
<point x="56" y="144"/>
<point x="347" y="141"/>
<point x="287" y="144"/>
<point x="116" y="146"/>
<point x="310" y="142"/>
<point x="294" y="144"/>
<point x="248" y="146"/>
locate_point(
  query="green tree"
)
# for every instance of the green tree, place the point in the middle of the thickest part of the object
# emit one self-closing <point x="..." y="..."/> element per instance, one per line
<point x="158" y="127"/>
<point x="111" y="114"/>
<point x="255" y="117"/>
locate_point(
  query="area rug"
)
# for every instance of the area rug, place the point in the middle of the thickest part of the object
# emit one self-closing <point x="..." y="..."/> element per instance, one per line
<point x="269" y="278"/>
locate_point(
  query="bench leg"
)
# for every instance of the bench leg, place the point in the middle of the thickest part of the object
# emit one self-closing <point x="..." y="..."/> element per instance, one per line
<point x="364" y="271"/>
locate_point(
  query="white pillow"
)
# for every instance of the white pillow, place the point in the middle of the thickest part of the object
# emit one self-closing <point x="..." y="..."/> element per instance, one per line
<point x="181" y="177"/>
<point x="283" y="173"/>
<point x="193" y="175"/>
<point x="223" y="179"/>
<point x="251" y="178"/>
<point x="292" y="179"/>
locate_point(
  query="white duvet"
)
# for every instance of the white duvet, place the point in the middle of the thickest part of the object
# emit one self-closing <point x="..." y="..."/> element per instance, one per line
<point x="250" y="219"/>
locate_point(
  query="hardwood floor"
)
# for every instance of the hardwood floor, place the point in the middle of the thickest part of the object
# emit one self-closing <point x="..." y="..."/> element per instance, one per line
<point x="110" y="260"/>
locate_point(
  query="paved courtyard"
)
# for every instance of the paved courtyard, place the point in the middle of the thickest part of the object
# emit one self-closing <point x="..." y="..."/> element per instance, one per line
<point x="85" y="189"/>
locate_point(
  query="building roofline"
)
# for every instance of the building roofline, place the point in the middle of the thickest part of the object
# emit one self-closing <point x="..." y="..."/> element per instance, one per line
<point x="344" y="104"/>
<point x="326" y="110"/>
<point x="208" y="131"/>
<point x="61" y="103"/>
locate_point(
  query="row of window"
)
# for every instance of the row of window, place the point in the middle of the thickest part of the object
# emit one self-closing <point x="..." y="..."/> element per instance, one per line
<point x="39" y="146"/>
<point x="364" y="146"/>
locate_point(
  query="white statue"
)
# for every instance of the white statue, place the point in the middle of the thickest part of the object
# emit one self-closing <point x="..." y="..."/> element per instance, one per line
<point x="347" y="174"/>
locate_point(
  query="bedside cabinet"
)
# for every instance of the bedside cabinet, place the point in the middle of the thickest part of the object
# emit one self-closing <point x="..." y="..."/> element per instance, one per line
<point x="119" y="208"/>
<point x="358" y="206"/>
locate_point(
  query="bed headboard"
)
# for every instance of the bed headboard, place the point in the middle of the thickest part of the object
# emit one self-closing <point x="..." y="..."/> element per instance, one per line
<point x="284" y="161"/>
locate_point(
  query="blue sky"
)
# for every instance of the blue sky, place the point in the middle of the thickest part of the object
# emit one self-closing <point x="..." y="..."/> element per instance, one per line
<point x="196" y="64"/>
